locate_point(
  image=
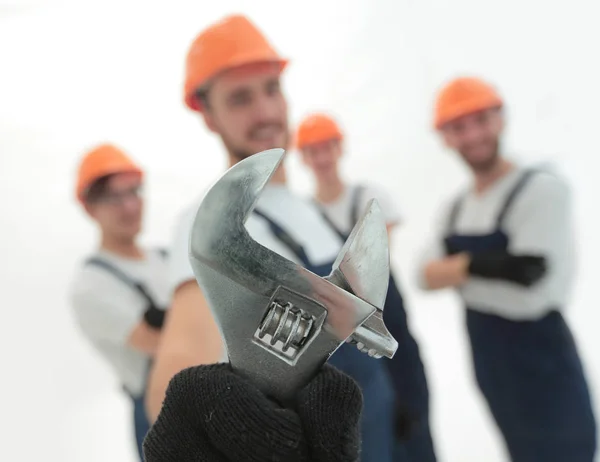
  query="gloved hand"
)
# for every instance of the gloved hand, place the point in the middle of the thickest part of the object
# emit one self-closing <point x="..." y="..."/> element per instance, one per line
<point x="524" y="270"/>
<point x="155" y="317"/>
<point x="211" y="414"/>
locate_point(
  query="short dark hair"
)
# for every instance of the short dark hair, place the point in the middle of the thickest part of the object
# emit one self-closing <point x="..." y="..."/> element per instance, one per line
<point x="97" y="189"/>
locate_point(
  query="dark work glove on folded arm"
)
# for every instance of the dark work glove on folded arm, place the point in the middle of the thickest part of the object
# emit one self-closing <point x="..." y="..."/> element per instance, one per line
<point x="212" y="414"/>
<point x="524" y="270"/>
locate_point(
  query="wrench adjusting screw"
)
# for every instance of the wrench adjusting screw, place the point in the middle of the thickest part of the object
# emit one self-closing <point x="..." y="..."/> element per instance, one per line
<point x="285" y="327"/>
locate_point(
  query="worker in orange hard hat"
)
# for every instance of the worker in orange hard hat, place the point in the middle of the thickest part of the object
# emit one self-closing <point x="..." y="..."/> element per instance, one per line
<point x="506" y="245"/>
<point x="120" y="293"/>
<point x="233" y="83"/>
<point x="320" y="142"/>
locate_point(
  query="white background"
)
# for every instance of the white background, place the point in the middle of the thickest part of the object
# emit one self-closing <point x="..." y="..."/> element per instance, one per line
<point x="72" y="75"/>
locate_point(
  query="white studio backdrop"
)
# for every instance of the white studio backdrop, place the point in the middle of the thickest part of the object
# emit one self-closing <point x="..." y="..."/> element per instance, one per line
<point x="74" y="74"/>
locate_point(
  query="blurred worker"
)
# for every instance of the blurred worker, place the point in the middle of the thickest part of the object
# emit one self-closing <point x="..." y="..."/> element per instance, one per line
<point x="120" y="293"/>
<point x="233" y="81"/>
<point x="506" y="245"/>
<point x="320" y="141"/>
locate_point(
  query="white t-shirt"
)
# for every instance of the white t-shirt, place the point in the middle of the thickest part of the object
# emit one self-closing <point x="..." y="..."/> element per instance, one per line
<point x="340" y="210"/>
<point x="537" y="223"/>
<point x="297" y="216"/>
<point x="107" y="310"/>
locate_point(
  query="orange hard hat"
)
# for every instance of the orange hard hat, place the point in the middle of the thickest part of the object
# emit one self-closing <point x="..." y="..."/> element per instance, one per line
<point x="463" y="96"/>
<point x="234" y="41"/>
<point x="103" y="160"/>
<point x="317" y="128"/>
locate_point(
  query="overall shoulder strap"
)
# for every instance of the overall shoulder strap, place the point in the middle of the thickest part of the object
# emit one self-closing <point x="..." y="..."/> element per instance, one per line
<point x="454" y="211"/>
<point x="121" y="276"/>
<point x="284" y="237"/>
<point x="512" y="195"/>
<point x="354" y="201"/>
<point x="329" y="221"/>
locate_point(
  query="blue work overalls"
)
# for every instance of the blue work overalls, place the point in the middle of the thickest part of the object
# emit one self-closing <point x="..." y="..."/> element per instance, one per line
<point x="141" y="425"/>
<point x="371" y="375"/>
<point x="528" y="371"/>
<point x="406" y="370"/>
<point x="410" y="383"/>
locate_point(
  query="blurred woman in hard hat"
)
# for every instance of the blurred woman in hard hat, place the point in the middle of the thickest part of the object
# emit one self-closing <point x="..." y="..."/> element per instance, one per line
<point x="120" y="293"/>
<point x="506" y="245"/>
<point x="319" y="139"/>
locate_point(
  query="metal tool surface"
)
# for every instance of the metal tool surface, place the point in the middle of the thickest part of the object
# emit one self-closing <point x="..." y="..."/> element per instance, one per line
<point x="280" y="322"/>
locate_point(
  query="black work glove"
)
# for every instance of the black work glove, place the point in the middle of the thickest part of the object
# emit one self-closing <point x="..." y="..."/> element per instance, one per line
<point x="155" y="317"/>
<point x="211" y="414"/>
<point x="524" y="270"/>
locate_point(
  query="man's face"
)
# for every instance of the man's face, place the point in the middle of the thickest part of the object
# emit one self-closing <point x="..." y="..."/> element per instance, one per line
<point x="248" y="110"/>
<point x="322" y="158"/>
<point x="476" y="137"/>
<point x="118" y="208"/>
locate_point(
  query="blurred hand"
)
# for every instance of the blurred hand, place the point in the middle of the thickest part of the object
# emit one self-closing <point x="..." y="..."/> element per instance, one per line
<point x="212" y="414"/>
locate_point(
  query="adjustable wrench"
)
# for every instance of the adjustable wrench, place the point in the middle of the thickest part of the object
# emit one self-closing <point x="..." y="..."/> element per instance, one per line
<point x="280" y="322"/>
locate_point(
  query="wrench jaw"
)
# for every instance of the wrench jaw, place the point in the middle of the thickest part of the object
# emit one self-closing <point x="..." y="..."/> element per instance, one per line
<point x="363" y="263"/>
<point x="218" y="232"/>
<point x="280" y="322"/>
<point x="362" y="268"/>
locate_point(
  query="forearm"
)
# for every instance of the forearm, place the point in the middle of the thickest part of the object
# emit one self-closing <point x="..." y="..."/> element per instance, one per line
<point x="165" y="367"/>
<point x="524" y="270"/>
<point x="447" y="272"/>
<point x="454" y="270"/>
<point x="190" y="337"/>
